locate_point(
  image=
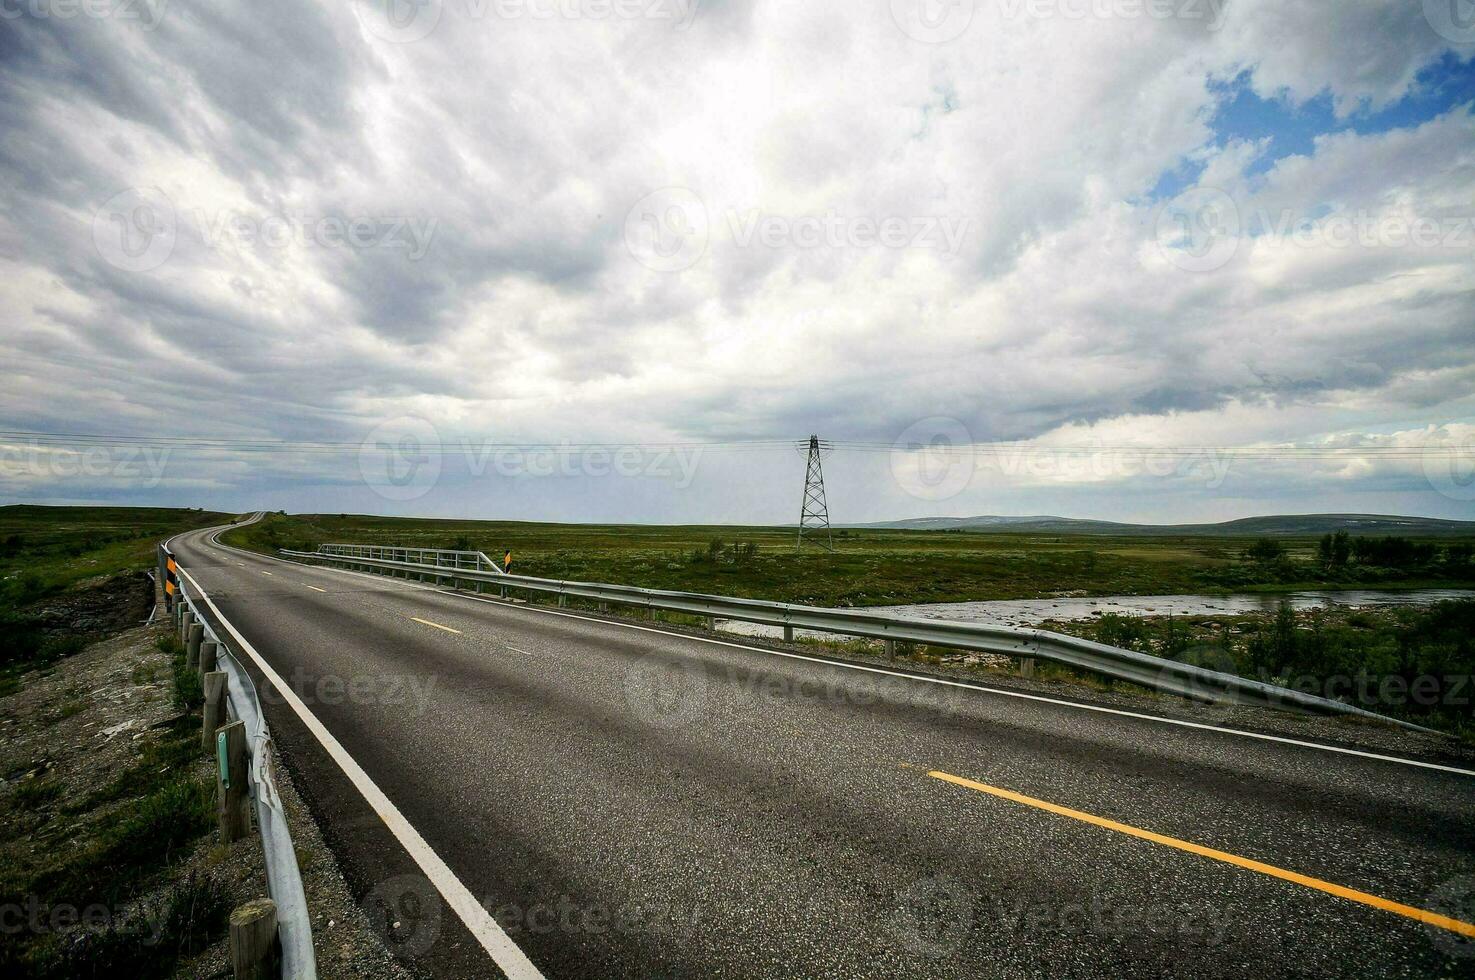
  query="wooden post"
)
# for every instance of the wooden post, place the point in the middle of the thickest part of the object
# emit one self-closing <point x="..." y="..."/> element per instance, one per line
<point x="192" y="647"/>
<point x="231" y="781"/>
<point x="185" y="620"/>
<point x="890" y="646"/>
<point x="1027" y="667"/>
<point x="208" y="655"/>
<point x="604" y="607"/>
<point x="712" y="623"/>
<point x="215" y="687"/>
<point x="254" y="950"/>
<point x="562" y="601"/>
<point x="788" y="634"/>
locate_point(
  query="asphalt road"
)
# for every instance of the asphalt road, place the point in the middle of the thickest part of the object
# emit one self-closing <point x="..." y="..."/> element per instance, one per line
<point x="629" y="802"/>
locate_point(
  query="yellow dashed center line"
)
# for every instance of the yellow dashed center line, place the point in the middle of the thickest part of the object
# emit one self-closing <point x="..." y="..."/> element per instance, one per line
<point x="316" y="589"/>
<point x="1397" y="908"/>
<point x="436" y="625"/>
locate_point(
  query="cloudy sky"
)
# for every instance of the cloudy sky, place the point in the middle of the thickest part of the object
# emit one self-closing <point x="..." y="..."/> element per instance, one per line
<point x="1154" y="259"/>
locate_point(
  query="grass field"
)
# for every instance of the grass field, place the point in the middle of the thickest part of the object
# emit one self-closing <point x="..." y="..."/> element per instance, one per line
<point x="70" y="574"/>
<point x="48" y="549"/>
<point x="869" y="567"/>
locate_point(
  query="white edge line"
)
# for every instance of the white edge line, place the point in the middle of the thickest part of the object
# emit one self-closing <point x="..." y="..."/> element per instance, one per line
<point x="1283" y="740"/>
<point x="503" y="951"/>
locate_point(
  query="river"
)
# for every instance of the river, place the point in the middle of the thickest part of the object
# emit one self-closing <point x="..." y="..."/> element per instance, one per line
<point x="1032" y="612"/>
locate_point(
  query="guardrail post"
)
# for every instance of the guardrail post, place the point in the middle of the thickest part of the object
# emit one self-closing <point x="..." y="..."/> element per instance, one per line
<point x="209" y="653"/>
<point x="604" y="607"/>
<point x="1026" y="666"/>
<point x="788" y="634"/>
<point x="562" y="601"/>
<point x="712" y="624"/>
<point x="185" y="622"/>
<point x="231" y="780"/>
<point x="192" y="646"/>
<point x="890" y="647"/>
<point x="254" y="952"/>
<point x="215" y="685"/>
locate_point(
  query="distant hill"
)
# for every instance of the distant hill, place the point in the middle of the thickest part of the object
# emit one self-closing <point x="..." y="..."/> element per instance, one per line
<point x="1295" y="524"/>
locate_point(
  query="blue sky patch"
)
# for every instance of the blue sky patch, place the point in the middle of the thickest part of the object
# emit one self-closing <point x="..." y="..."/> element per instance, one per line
<point x="1292" y="129"/>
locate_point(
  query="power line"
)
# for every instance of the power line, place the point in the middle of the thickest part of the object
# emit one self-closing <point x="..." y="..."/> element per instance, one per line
<point x="463" y="444"/>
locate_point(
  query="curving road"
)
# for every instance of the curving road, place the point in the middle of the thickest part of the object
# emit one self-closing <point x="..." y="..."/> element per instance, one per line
<point x="534" y="791"/>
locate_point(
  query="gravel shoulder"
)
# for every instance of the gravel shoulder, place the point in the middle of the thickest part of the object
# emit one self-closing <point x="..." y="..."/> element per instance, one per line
<point x="81" y="745"/>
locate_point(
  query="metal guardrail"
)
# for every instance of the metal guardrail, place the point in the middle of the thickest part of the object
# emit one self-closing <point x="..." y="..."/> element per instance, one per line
<point x="283" y="876"/>
<point x="1168" y="676"/>
<point x="439" y="557"/>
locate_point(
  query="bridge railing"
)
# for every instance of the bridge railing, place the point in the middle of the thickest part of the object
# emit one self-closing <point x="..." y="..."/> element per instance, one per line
<point x="283" y="875"/>
<point x="1157" y="673"/>
<point x="439" y="557"/>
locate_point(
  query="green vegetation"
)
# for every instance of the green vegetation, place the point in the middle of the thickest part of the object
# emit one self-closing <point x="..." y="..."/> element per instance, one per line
<point x="877" y="566"/>
<point x="121" y="839"/>
<point x="50" y="555"/>
<point x="1341" y="560"/>
<point x="1407" y="662"/>
<point x="44" y="550"/>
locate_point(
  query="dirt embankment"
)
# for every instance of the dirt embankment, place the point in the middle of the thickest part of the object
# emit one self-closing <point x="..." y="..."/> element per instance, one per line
<point x="109" y="858"/>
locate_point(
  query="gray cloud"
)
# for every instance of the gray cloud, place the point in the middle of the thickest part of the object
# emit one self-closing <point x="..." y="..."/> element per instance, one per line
<point x="519" y="148"/>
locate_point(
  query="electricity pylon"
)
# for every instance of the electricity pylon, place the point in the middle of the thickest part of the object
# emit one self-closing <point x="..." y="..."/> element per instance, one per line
<point x="814" y="516"/>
